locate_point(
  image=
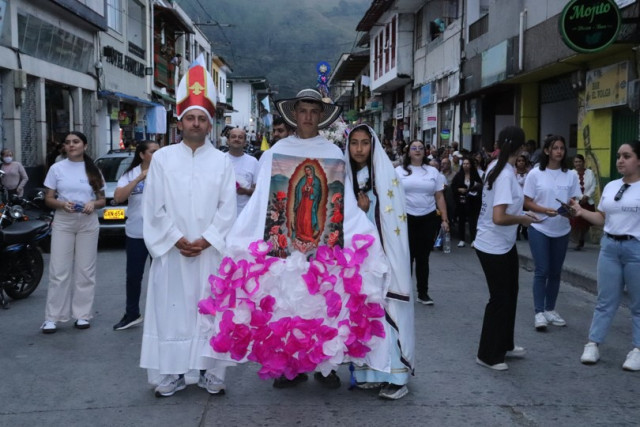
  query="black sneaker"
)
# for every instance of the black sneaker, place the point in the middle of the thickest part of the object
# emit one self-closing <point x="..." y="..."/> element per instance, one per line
<point x="283" y="382"/>
<point x="127" y="322"/>
<point x="330" y="381"/>
<point x="426" y="300"/>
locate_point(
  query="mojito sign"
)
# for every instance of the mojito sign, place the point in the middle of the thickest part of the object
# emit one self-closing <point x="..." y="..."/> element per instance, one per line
<point x="588" y="26"/>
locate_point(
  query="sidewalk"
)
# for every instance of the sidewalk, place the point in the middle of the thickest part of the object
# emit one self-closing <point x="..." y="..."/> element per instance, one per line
<point x="579" y="268"/>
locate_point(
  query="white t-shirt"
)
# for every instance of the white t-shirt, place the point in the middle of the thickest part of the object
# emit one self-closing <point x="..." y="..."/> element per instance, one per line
<point x="544" y="187"/>
<point x="623" y="216"/>
<point x="70" y="181"/>
<point x="133" y="226"/>
<point x="246" y="168"/>
<point x="499" y="239"/>
<point x="420" y="188"/>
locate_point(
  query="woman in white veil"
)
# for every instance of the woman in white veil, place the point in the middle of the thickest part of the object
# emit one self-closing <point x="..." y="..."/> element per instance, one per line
<point x="381" y="196"/>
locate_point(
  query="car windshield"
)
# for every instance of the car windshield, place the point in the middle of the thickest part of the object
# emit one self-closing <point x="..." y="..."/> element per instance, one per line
<point x="113" y="167"/>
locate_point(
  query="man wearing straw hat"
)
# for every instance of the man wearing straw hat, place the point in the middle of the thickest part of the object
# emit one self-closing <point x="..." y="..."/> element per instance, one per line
<point x="189" y="206"/>
<point x="298" y="216"/>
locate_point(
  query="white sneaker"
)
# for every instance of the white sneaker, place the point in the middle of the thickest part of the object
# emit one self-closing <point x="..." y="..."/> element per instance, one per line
<point x="461" y="244"/>
<point x="169" y="385"/>
<point x="497" y="367"/>
<point x="540" y="322"/>
<point x="517" y="352"/>
<point x="554" y="318"/>
<point x="48" y="327"/>
<point x="633" y="360"/>
<point x="211" y="383"/>
<point x="591" y="354"/>
<point x="473" y="244"/>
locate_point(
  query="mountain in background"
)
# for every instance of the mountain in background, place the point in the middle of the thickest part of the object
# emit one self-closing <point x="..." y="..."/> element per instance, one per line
<point x="282" y="40"/>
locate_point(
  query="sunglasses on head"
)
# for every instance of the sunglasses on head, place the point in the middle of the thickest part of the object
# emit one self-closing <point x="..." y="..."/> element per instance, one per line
<point x="621" y="191"/>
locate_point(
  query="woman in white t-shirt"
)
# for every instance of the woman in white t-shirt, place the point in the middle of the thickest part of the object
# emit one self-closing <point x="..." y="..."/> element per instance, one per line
<point x="548" y="184"/>
<point x="75" y="189"/>
<point x="500" y="215"/>
<point x="130" y="186"/>
<point x="619" y="259"/>
<point x="423" y="188"/>
<point x="587" y="182"/>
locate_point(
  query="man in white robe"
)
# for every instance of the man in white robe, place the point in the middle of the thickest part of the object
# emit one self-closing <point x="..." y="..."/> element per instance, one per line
<point x="189" y="205"/>
<point x="308" y="113"/>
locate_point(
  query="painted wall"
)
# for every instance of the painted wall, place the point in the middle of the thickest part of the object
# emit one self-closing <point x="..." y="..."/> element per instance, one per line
<point x="242" y="104"/>
<point x="594" y="139"/>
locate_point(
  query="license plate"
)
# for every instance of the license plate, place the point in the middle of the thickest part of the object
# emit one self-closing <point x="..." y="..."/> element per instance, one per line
<point x="114" y="214"/>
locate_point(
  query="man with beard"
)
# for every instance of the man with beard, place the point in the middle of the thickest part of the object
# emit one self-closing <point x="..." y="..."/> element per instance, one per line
<point x="280" y="130"/>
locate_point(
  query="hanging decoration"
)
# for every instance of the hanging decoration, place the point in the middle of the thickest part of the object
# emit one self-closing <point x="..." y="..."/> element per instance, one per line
<point x="323" y="68"/>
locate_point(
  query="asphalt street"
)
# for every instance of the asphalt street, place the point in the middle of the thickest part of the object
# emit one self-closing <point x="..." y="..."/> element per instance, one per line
<point x="91" y="377"/>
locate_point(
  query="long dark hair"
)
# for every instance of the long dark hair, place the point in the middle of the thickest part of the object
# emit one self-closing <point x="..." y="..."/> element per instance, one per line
<point x="510" y="140"/>
<point x="93" y="173"/>
<point x="406" y="161"/>
<point x="140" y="149"/>
<point x="544" y="157"/>
<point x="354" y="171"/>
<point x="473" y="170"/>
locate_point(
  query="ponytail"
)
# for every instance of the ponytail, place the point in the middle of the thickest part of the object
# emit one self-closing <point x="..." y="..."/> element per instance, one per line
<point x="93" y="173"/>
<point x="510" y="140"/>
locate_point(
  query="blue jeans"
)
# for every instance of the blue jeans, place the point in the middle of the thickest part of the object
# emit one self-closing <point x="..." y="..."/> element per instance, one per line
<point x="548" y="255"/>
<point x="618" y="265"/>
<point x="137" y="255"/>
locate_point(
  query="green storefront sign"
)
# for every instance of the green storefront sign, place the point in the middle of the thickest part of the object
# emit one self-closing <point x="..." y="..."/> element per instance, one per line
<point x="588" y="26"/>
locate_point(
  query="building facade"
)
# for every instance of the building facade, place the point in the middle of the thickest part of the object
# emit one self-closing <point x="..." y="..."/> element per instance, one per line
<point x="479" y="65"/>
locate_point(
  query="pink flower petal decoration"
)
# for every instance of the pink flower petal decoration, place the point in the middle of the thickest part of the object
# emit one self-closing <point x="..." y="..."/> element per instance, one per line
<point x="311" y="279"/>
<point x="377" y="329"/>
<point x="259" y="248"/>
<point x="267" y="303"/>
<point x="227" y="266"/>
<point x="325" y="255"/>
<point x="207" y="306"/>
<point x="334" y="303"/>
<point x="362" y="241"/>
<point x="357" y="349"/>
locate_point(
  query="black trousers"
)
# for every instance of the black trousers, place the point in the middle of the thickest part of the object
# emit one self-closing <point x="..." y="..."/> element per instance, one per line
<point x="468" y="212"/>
<point x="501" y="272"/>
<point x="422" y="235"/>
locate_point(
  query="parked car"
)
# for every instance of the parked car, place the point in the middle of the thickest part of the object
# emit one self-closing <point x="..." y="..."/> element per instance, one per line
<point x="113" y="216"/>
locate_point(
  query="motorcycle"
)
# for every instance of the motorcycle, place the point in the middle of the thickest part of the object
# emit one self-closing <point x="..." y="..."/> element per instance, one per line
<point x="21" y="263"/>
<point x="35" y="208"/>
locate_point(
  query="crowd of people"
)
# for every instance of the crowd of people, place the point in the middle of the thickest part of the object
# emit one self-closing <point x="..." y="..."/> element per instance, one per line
<point x="304" y="260"/>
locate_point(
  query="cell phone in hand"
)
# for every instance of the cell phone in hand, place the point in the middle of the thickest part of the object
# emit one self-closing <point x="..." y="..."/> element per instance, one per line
<point x="564" y="209"/>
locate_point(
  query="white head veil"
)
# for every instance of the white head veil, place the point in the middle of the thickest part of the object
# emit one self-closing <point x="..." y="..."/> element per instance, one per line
<point x="391" y="222"/>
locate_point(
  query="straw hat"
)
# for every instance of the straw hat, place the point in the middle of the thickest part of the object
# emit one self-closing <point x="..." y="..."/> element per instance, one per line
<point x="330" y="112"/>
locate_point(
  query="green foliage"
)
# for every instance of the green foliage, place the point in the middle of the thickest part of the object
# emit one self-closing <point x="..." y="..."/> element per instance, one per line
<point x="280" y="39"/>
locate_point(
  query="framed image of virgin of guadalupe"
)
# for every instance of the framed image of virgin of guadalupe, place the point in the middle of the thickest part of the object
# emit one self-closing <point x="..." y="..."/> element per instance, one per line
<point x="306" y="206"/>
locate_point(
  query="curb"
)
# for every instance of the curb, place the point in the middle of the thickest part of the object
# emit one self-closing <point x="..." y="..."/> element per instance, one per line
<point x="572" y="275"/>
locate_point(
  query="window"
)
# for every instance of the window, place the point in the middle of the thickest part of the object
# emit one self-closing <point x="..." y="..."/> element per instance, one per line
<point x="136" y="28"/>
<point x="114" y="15"/>
<point x="393" y="42"/>
<point x="418" y="30"/>
<point x="387" y="45"/>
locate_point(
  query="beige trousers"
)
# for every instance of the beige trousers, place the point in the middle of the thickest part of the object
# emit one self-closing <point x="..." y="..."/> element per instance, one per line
<point x="72" y="266"/>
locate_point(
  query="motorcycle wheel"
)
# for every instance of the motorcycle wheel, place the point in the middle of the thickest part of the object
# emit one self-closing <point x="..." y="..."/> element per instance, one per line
<point x="26" y="273"/>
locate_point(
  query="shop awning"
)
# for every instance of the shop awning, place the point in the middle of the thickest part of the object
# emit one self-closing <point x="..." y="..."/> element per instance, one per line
<point x="166" y="97"/>
<point x="119" y="96"/>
